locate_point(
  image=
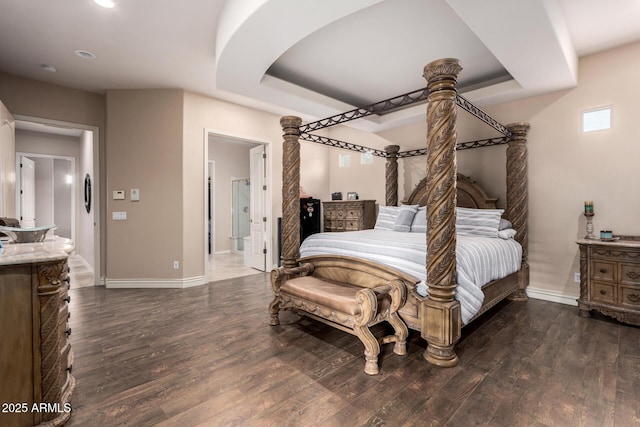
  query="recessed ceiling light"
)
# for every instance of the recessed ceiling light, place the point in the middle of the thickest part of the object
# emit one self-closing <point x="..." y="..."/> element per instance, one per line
<point x="48" y="68"/>
<point x="85" y="54"/>
<point x="105" y="3"/>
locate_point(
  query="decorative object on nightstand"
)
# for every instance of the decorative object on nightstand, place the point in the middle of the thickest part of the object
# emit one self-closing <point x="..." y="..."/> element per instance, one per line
<point x="610" y="278"/>
<point x="588" y="213"/>
<point x="349" y="215"/>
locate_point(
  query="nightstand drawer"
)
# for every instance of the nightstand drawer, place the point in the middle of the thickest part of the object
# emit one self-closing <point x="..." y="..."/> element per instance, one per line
<point x="630" y="295"/>
<point x="602" y="270"/>
<point x="603" y="292"/>
<point x="630" y="273"/>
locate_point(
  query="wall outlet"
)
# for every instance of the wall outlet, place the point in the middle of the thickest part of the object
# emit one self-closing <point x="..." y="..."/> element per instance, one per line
<point x="576" y="277"/>
<point x="176" y="265"/>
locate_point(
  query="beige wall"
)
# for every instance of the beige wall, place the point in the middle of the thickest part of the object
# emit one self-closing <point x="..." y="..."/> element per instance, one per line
<point x="144" y="151"/>
<point x="7" y="163"/>
<point x="567" y="167"/>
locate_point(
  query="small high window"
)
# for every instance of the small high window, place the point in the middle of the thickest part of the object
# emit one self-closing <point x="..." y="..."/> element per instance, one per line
<point x="344" y="160"/>
<point x="596" y="119"/>
<point x="366" y="158"/>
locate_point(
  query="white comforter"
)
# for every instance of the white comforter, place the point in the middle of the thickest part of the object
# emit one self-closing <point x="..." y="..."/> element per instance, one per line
<point x="479" y="260"/>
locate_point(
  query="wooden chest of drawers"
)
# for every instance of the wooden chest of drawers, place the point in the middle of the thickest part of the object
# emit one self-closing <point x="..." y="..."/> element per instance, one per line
<point x="349" y="215"/>
<point x="610" y="278"/>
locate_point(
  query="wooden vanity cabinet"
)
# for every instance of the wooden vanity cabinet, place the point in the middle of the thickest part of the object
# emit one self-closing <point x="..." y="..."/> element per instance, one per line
<point x="35" y="356"/>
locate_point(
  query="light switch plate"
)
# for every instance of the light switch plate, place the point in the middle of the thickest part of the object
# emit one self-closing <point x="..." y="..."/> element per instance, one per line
<point x="119" y="215"/>
<point x="118" y="194"/>
<point x="135" y="194"/>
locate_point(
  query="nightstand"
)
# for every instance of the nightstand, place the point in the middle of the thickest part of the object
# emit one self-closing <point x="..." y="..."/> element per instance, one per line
<point x="610" y="278"/>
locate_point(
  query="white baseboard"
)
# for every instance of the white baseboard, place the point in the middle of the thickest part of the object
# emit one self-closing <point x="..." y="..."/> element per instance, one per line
<point x="155" y="283"/>
<point x="553" y="296"/>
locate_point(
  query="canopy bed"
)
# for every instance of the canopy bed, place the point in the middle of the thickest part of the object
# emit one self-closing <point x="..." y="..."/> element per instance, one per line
<point x="437" y="315"/>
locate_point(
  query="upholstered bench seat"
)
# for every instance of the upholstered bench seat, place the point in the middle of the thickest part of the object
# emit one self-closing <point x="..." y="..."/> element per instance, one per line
<point x="350" y="307"/>
<point x="339" y="296"/>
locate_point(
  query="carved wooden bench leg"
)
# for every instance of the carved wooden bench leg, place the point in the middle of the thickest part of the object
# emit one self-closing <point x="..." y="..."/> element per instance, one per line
<point x="401" y="334"/>
<point x="371" y="349"/>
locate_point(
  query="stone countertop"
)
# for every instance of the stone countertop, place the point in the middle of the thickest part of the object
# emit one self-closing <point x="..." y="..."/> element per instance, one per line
<point x="624" y="241"/>
<point x="51" y="249"/>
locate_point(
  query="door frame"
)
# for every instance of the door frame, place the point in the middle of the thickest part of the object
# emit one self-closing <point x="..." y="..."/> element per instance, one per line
<point x="205" y="165"/>
<point x="95" y="186"/>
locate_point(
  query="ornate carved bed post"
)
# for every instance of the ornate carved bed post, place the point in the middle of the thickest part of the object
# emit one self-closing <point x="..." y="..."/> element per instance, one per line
<point x="391" y="175"/>
<point x="441" y="318"/>
<point x="518" y="200"/>
<point x="290" y="191"/>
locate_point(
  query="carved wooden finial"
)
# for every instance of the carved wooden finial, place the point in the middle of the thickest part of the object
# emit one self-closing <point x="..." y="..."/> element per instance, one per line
<point x="442" y="69"/>
<point x="290" y="125"/>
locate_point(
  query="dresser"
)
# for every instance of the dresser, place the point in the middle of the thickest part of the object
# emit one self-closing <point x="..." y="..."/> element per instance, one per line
<point x="610" y="278"/>
<point x="35" y="355"/>
<point x="349" y="215"/>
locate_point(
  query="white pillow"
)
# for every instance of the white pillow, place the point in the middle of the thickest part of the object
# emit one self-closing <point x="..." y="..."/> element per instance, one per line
<point x="419" y="224"/>
<point x="504" y="224"/>
<point x="507" y="233"/>
<point x="478" y="222"/>
<point x="405" y="218"/>
<point x="386" y="217"/>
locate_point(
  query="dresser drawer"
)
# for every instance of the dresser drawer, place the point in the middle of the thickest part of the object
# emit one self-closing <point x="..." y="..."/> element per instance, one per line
<point x="329" y="213"/>
<point x="630" y="296"/>
<point x="352" y="225"/>
<point x="354" y="213"/>
<point x="630" y="273"/>
<point x="603" y="271"/>
<point x="603" y="292"/>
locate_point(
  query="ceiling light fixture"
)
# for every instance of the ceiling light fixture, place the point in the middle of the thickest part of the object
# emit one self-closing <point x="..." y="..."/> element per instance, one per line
<point x="105" y="3"/>
<point x="48" y="68"/>
<point x="85" y="54"/>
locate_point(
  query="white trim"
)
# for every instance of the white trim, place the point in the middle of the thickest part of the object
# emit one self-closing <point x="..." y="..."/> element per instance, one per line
<point x="552" y="296"/>
<point x="155" y="283"/>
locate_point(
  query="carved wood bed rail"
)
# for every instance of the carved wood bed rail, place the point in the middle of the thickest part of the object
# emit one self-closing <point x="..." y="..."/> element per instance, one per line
<point x="439" y="314"/>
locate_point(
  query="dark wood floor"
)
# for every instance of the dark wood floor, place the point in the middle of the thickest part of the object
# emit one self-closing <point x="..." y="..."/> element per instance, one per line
<point x="206" y="356"/>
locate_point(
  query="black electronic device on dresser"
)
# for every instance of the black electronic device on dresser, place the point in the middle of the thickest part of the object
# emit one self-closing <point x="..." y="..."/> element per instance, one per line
<point x="309" y="217"/>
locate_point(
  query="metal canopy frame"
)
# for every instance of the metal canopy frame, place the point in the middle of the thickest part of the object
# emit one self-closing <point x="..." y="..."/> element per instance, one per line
<point x="393" y="104"/>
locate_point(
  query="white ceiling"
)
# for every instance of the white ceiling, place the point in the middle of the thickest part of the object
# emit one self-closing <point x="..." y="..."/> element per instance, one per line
<point x="309" y="57"/>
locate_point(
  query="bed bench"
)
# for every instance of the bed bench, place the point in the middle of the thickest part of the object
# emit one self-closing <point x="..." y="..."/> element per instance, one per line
<point x="350" y="299"/>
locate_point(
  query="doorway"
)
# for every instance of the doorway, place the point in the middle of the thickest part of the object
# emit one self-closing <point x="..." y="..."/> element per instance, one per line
<point x="52" y="143"/>
<point x="232" y="216"/>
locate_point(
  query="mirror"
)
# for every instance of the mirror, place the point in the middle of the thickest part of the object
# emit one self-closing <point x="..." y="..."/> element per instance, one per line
<point x="87" y="193"/>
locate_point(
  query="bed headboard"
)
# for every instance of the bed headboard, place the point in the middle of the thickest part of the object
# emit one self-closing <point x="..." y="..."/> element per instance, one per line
<point x="470" y="194"/>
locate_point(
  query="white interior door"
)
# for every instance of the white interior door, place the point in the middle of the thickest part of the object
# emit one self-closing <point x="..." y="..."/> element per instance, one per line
<point x="258" y="210"/>
<point x="27" y="192"/>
